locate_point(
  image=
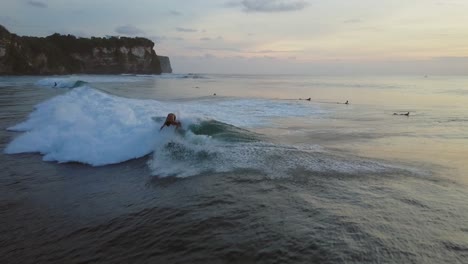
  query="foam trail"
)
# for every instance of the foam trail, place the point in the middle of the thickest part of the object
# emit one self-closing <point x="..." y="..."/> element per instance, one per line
<point x="198" y="154"/>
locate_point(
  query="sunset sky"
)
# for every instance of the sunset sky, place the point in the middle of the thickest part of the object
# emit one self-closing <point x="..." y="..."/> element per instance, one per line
<point x="276" y="36"/>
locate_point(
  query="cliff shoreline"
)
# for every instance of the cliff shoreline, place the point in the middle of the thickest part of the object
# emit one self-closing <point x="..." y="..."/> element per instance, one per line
<point x="66" y="54"/>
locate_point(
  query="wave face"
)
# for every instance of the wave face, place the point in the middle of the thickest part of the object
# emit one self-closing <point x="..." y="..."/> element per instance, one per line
<point x="222" y="131"/>
<point x="60" y="83"/>
<point x="89" y="126"/>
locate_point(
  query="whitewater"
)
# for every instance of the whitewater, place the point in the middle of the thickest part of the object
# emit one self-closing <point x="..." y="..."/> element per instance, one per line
<point x="89" y="126"/>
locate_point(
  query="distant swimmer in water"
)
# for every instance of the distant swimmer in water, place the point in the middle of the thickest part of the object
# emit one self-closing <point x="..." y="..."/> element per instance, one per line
<point x="405" y="114"/>
<point x="171" y="120"/>
<point x="308" y="99"/>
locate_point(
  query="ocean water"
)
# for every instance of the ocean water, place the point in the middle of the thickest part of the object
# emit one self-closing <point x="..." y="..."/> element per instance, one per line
<point x="256" y="174"/>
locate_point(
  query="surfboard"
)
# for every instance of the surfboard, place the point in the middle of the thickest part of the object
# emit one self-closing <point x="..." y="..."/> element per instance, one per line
<point x="157" y="118"/>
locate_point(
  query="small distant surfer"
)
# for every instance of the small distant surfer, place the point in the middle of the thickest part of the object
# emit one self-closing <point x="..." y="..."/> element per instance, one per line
<point x="171" y="120"/>
<point x="308" y="99"/>
<point x="346" y="102"/>
<point x="405" y="114"/>
<point x="55" y="84"/>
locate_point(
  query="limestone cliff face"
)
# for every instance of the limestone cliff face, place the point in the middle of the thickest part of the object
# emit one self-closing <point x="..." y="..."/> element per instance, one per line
<point x="165" y="64"/>
<point x="60" y="54"/>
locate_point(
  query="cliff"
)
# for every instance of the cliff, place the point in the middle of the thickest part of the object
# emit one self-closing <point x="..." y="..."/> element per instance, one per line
<point x="165" y="64"/>
<point x="67" y="54"/>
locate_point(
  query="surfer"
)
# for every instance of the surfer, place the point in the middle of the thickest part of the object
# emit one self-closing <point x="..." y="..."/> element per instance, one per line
<point x="346" y="102"/>
<point x="405" y="114"/>
<point x="171" y="120"/>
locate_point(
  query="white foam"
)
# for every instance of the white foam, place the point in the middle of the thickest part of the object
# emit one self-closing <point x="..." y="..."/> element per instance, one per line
<point x="89" y="126"/>
<point x="194" y="155"/>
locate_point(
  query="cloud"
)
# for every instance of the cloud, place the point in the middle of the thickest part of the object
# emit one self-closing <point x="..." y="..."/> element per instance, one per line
<point x="452" y="59"/>
<point x="158" y="39"/>
<point x="450" y="3"/>
<point x="129" y="30"/>
<point x="209" y="56"/>
<point x="37" y="4"/>
<point x="175" y="13"/>
<point x="8" y="21"/>
<point x="213" y="49"/>
<point x="232" y="4"/>
<point x="352" y="21"/>
<point x="269" y="5"/>
<point x="186" y="29"/>
<point x="273" y="51"/>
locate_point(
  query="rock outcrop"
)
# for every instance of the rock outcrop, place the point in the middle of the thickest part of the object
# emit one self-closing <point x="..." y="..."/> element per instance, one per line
<point x="67" y="54"/>
<point x="165" y="64"/>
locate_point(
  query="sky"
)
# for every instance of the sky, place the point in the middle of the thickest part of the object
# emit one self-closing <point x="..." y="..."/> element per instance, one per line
<point x="276" y="36"/>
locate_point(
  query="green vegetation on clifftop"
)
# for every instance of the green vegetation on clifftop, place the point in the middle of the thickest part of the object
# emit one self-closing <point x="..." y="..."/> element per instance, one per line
<point x="67" y="54"/>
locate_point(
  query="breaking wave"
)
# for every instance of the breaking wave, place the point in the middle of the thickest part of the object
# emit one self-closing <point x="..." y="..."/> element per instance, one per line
<point x="92" y="127"/>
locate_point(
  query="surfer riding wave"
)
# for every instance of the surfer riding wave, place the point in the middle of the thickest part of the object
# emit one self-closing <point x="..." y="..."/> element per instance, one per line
<point x="170" y="120"/>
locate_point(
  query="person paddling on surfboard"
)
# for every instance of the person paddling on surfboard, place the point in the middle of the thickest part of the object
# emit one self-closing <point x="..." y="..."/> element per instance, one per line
<point x="171" y="120"/>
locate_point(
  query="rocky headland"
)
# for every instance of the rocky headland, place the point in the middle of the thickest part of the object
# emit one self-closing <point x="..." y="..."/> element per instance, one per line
<point x="165" y="64"/>
<point x="67" y="54"/>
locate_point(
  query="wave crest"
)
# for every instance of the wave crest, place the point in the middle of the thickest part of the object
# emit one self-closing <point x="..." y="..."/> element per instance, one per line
<point x="60" y="83"/>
